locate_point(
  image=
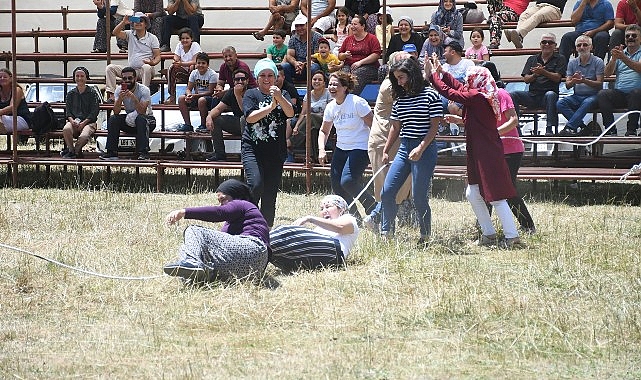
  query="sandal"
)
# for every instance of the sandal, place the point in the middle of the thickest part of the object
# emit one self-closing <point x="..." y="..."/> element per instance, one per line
<point x="258" y="36"/>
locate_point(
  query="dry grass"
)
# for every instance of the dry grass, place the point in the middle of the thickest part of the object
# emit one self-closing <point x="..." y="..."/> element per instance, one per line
<point x="567" y="305"/>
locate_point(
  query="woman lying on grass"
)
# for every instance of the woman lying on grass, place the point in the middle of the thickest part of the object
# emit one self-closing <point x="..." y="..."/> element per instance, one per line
<point x="327" y="245"/>
<point x="238" y="251"/>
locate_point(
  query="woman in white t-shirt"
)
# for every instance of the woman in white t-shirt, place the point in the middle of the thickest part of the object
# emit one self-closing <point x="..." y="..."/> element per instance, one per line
<point x="184" y="62"/>
<point x="328" y="245"/>
<point x="352" y="117"/>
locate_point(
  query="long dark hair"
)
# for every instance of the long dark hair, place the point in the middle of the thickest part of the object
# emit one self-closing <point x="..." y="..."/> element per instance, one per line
<point x="415" y="81"/>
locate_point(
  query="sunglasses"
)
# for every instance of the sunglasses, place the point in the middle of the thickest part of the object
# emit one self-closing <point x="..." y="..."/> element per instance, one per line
<point x="631" y="36"/>
<point x="582" y="45"/>
<point x="547" y="42"/>
<point x="240" y="79"/>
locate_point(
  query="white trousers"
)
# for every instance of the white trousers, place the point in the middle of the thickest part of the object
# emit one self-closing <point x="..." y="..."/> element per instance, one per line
<point x="483" y="214"/>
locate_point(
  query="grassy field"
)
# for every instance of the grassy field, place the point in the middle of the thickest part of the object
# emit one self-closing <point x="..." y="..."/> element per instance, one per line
<point x="566" y="305"/>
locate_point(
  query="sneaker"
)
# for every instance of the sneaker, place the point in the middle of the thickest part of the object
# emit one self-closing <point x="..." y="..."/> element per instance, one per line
<point x="217" y="157"/>
<point x="549" y="133"/>
<point x="258" y="36"/>
<point x="487" y="240"/>
<point x="185" y="128"/>
<point x="70" y="155"/>
<point x="123" y="50"/>
<point x="585" y="131"/>
<point x="165" y="49"/>
<point x="369" y="223"/>
<point x="494" y="46"/>
<point x="64" y="152"/>
<point x="510" y="242"/>
<point x="143" y="156"/>
<point x="201" y="129"/>
<point x="594" y="127"/>
<point x="611" y="132"/>
<point x="187" y="271"/>
<point x="109" y="156"/>
<point x="630" y="132"/>
<point x="567" y="132"/>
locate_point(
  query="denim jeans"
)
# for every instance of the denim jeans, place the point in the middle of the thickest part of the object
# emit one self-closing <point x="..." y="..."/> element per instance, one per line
<point x="346" y="172"/>
<point x="575" y="107"/>
<point x="422" y="171"/>
<point x="117" y="123"/>
<point x="290" y="73"/>
<point x="600" y="42"/>
<point x="537" y="100"/>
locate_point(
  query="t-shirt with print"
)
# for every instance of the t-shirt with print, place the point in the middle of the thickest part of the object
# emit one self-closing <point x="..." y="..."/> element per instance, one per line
<point x="270" y="128"/>
<point x="201" y="81"/>
<point x="278" y="54"/>
<point x="351" y="130"/>
<point x="473" y="53"/>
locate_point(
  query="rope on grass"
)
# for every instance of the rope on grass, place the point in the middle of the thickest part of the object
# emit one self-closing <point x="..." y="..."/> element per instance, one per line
<point x="87" y="272"/>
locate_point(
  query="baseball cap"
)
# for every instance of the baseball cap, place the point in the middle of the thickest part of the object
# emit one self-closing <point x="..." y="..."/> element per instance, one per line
<point x="300" y="19"/>
<point x="409" y="48"/>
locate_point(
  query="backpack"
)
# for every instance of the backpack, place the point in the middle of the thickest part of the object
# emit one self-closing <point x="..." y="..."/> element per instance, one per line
<point x="43" y="119"/>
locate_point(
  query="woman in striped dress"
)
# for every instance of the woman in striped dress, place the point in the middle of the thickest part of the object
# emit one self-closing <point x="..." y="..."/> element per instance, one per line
<point x="328" y="245"/>
<point x="415" y="117"/>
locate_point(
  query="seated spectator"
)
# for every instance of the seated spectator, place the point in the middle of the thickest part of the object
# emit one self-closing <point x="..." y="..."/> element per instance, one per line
<point x="278" y="50"/>
<point x="199" y="92"/>
<point x="83" y="105"/>
<point x="585" y="75"/>
<point x="389" y="31"/>
<point x="136" y="100"/>
<point x="283" y="84"/>
<point x="239" y="251"/>
<point x="343" y="28"/>
<point x="143" y="52"/>
<point x="230" y="64"/>
<point x="8" y="95"/>
<point x="502" y="11"/>
<point x="328" y="245"/>
<point x="187" y="15"/>
<point x="626" y="65"/>
<point x="155" y="11"/>
<point x="184" y="62"/>
<point x="543" y="72"/>
<point x="477" y="52"/>
<point x="450" y="21"/>
<point x="319" y="98"/>
<point x="367" y="9"/>
<point x="219" y="119"/>
<point x="327" y="61"/>
<point x="320" y="14"/>
<point x="283" y="13"/>
<point x="296" y="58"/>
<point x="594" y="18"/>
<point x="100" y="40"/>
<point x="627" y="13"/>
<point x="457" y="66"/>
<point x="361" y="52"/>
<point x="542" y="11"/>
<point x="432" y="45"/>
<point x="405" y="35"/>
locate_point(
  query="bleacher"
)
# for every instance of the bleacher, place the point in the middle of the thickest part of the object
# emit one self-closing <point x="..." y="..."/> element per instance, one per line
<point x="577" y="163"/>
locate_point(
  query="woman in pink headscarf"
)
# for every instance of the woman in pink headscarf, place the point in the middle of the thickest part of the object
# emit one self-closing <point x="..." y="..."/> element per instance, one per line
<point x="487" y="173"/>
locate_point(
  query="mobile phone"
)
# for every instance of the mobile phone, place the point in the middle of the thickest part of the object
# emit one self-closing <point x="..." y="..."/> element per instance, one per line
<point x="123" y="87"/>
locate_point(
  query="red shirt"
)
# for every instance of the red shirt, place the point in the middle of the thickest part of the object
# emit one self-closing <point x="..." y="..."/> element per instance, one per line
<point x="361" y="49"/>
<point x="626" y="13"/>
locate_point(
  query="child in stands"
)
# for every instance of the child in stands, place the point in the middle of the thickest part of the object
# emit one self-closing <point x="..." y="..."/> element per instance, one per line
<point x="328" y="62"/>
<point x="342" y="29"/>
<point x="278" y="50"/>
<point x="477" y="52"/>
<point x="200" y="89"/>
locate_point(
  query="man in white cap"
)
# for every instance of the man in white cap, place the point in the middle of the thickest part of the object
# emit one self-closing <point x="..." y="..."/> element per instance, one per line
<point x="321" y="13"/>
<point x="296" y="58"/>
<point x="143" y="52"/>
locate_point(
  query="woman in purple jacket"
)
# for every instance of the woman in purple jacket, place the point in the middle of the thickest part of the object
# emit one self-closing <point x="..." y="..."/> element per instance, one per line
<point x="238" y="251"/>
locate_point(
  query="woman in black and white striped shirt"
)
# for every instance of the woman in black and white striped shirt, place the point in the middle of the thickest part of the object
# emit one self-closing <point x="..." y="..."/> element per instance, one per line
<point x="415" y="117"/>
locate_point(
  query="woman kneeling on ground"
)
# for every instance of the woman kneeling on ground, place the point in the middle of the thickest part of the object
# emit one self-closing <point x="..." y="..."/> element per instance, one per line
<point x="238" y="251"/>
<point x="328" y="245"/>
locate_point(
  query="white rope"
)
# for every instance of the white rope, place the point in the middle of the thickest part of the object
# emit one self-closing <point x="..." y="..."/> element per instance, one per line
<point x="636" y="169"/>
<point x="76" y="268"/>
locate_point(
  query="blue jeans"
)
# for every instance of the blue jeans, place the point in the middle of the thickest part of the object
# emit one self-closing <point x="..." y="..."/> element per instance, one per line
<point x="290" y="73"/>
<point x="537" y="100"/>
<point x="422" y="171"/>
<point x="600" y="42"/>
<point x="346" y="172"/>
<point x="575" y="107"/>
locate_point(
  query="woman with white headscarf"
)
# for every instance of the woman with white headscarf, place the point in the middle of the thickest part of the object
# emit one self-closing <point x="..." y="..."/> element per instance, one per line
<point x="487" y="173"/>
<point x="328" y="245"/>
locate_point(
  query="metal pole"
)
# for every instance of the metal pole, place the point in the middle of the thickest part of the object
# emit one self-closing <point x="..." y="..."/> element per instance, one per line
<point x="308" y="120"/>
<point x="14" y="83"/>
